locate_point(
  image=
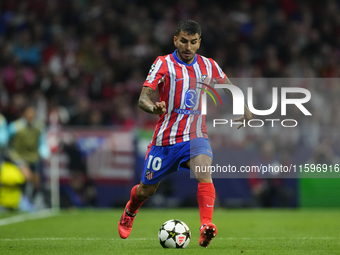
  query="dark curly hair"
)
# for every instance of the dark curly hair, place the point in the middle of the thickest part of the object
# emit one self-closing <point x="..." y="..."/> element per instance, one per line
<point x="189" y="27"/>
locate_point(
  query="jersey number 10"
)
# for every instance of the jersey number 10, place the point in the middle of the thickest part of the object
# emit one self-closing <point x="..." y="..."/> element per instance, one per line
<point x="156" y="163"/>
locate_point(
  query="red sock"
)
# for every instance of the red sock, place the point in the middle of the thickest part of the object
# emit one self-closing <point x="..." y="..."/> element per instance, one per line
<point x="134" y="203"/>
<point x="206" y="199"/>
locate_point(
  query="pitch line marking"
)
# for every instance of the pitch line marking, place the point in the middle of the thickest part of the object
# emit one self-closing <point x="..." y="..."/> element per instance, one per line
<point x="26" y="217"/>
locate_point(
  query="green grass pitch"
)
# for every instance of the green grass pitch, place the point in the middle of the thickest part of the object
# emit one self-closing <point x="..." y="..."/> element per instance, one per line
<point x="239" y="232"/>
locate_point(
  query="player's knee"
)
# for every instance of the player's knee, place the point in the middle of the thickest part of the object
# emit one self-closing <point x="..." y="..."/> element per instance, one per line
<point x="202" y="161"/>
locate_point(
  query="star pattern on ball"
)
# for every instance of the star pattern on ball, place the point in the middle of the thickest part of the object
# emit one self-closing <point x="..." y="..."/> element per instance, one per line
<point x="178" y="233"/>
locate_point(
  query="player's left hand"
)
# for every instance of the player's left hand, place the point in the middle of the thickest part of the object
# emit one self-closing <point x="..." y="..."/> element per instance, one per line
<point x="245" y="118"/>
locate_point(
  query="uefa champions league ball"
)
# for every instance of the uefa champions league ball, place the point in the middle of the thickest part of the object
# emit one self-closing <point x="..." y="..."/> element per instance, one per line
<point x="174" y="234"/>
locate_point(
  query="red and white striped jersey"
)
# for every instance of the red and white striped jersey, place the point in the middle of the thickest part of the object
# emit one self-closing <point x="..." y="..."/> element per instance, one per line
<point x="178" y="85"/>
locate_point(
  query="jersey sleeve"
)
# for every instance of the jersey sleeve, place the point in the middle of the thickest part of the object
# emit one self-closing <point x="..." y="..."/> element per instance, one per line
<point x="156" y="74"/>
<point x="219" y="76"/>
<point x="3" y="132"/>
<point x="43" y="149"/>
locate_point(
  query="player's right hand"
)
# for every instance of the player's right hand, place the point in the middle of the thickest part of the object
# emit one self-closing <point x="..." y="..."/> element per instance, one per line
<point x="159" y="108"/>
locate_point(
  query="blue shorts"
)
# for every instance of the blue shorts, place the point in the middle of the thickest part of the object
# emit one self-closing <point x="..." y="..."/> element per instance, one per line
<point x="163" y="160"/>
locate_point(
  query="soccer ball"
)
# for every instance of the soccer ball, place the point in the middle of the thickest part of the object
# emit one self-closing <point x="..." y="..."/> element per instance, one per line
<point x="174" y="234"/>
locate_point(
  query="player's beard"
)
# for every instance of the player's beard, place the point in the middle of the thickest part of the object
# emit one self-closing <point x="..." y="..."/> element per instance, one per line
<point x="187" y="56"/>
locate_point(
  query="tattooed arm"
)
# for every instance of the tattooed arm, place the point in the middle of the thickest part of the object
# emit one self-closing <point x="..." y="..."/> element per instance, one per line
<point x="147" y="105"/>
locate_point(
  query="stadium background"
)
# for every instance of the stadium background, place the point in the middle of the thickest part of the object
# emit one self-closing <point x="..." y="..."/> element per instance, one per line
<point x="83" y="64"/>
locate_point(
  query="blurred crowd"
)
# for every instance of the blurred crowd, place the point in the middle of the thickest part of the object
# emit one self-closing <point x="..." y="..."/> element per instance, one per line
<point x="86" y="60"/>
